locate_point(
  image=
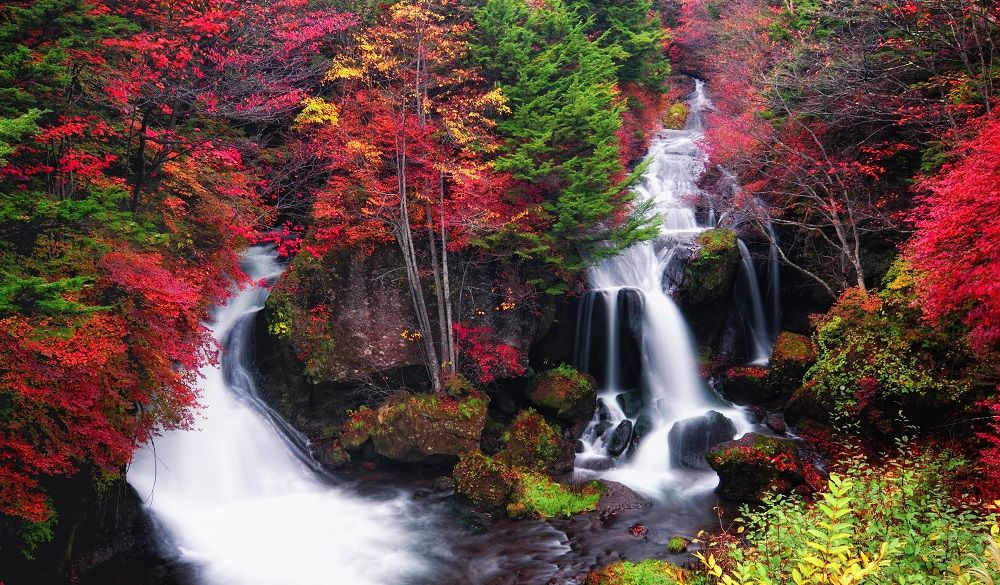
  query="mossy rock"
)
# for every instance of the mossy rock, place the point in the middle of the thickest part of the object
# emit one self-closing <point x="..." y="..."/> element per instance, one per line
<point x="333" y="456"/>
<point x="532" y="443"/>
<point x="806" y="404"/>
<point x="792" y="356"/>
<point x="357" y="429"/>
<point x="755" y="465"/>
<point x="427" y="428"/>
<point x="747" y="384"/>
<point x="567" y="393"/>
<point x="709" y="280"/>
<point x="648" y="572"/>
<point x="485" y="482"/>
<point x="536" y="496"/>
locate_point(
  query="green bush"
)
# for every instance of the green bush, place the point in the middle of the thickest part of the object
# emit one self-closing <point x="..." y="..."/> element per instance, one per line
<point x="874" y="352"/>
<point x="891" y="524"/>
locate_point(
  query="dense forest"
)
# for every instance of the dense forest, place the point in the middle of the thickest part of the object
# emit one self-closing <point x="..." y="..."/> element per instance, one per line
<point x="708" y="289"/>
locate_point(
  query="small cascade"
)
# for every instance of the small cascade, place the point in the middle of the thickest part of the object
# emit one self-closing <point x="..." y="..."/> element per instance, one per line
<point x="758" y="328"/>
<point x="240" y="498"/>
<point x="630" y="438"/>
<point x="773" y="294"/>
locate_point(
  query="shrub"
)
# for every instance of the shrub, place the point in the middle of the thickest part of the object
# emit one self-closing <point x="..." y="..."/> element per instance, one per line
<point x="874" y="349"/>
<point x="892" y="524"/>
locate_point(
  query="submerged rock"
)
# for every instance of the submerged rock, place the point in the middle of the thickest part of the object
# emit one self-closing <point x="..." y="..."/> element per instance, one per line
<point x="428" y="428"/>
<point x="618" y="497"/>
<point x="690" y="439"/>
<point x="754" y="465"/>
<point x="568" y="393"/>
<point x="620" y="438"/>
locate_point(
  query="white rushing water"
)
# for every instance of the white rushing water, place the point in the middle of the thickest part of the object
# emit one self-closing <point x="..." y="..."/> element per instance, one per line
<point x="671" y="385"/>
<point x="240" y="498"/>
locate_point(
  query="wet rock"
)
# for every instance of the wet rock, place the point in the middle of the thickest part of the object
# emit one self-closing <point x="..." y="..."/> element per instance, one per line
<point x="707" y="286"/>
<point x="776" y="423"/>
<point x="444" y="484"/>
<point x="690" y="439"/>
<point x="596" y="463"/>
<point x="630" y="305"/>
<point x="428" y="428"/>
<point x="643" y="426"/>
<point x="602" y="411"/>
<point x="602" y="427"/>
<point x="620" y="438"/>
<point x="333" y="456"/>
<point x="618" y="498"/>
<point x="630" y="403"/>
<point x="754" y="465"/>
<point x="567" y="393"/>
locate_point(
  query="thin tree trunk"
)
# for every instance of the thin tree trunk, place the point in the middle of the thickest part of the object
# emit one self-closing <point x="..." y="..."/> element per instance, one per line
<point x="450" y="326"/>
<point x="438" y="288"/>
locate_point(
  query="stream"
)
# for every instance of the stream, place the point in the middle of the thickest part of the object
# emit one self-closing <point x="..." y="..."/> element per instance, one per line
<point x="241" y="501"/>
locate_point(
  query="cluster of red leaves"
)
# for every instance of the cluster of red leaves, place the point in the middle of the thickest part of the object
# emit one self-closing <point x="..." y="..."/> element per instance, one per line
<point x="956" y="247"/>
<point x="492" y="358"/>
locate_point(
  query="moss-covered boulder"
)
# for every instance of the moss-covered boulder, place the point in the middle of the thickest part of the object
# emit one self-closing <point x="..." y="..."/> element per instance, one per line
<point x="357" y="429"/>
<point x="806" y="404"/>
<point x="708" y="281"/>
<point x="754" y="465"/>
<point x="491" y="484"/>
<point x="536" y="496"/>
<point x="747" y="384"/>
<point x="791" y="358"/>
<point x="533" y="444"/>
<point x="567" y="393"/>
<point x="648" y="572"/>
<point x="485" y="482"/>
<point x="427" y="428"/>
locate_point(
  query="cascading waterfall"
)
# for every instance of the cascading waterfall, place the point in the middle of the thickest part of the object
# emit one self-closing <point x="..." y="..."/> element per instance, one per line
<point x="241" y="499"/>
<point x="759" y="328"/>
<point x="630" y="304"/>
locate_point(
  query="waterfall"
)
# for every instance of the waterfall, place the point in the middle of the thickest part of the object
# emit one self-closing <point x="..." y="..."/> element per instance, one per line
<point x="630" y="304"/>
<point x="241" y="499"/>
<point x="759" y="328"/>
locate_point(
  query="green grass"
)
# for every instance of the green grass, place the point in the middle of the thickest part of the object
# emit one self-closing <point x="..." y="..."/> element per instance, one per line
<point x="537" y="495"/>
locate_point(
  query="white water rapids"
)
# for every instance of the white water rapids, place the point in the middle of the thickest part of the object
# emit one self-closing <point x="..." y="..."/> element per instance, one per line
<point x="240" y="498"/>
<point x="671" y="385"/>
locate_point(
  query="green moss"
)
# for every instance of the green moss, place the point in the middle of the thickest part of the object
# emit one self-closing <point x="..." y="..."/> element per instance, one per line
<point x="538" y="496"/>
<point x="716" y="242"/>
<point x="677" y="545"/>
<point x="357" y="428"/>
<point x="531" y="442"/>
<point x="564" y="390"/>
<point x="648" y="572"/>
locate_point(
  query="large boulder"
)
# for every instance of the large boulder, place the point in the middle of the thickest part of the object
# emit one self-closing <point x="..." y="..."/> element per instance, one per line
<point x="630" y="402"/>
<point x="532" y="443"/>
<point x="690" y="439"/>
<point x="754" y="465"/>
<point x="487" y="483"/>
<point x="620" y="438"/>
<point x="567" y="393"/>
<point x="708" y="282"/>
<point x="792" y="356"/>
<point x="426" y="428"/>
<point x="617" y="497"/>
